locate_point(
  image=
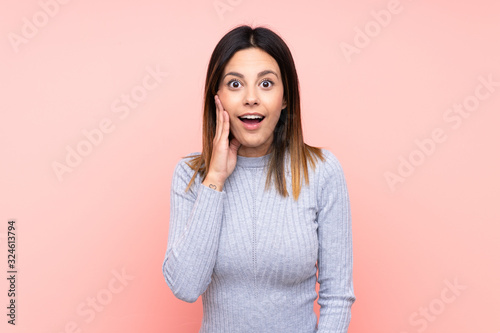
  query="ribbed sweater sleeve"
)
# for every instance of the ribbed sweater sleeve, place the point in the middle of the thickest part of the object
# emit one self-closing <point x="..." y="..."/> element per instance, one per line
<point x="193" y="239"/>
<point x="336" y="293"/>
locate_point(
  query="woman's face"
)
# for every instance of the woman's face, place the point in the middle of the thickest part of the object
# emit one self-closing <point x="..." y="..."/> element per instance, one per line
<point x="251" y="84"/>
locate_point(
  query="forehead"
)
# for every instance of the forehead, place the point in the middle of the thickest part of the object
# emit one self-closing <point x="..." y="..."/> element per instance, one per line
<point x="251" y="61"/>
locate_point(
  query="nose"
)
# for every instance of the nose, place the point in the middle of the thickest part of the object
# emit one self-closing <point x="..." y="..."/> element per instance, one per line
<point x="251" y="96"/>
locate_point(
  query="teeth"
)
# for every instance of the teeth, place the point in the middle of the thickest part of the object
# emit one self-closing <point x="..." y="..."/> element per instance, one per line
<point x="252" y="117"/>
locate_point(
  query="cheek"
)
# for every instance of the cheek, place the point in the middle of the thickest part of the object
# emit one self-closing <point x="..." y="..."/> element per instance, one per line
<point x="274" y="107"/>
<point x="275" y="99"/>
<point x="228" y="101"/>
<point x="274" y="121"/>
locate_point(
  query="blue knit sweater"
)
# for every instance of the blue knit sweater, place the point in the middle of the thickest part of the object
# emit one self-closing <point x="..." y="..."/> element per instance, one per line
<point x="253" y="255"/>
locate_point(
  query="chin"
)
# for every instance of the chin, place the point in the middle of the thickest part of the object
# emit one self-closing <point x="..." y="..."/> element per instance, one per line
<point x="250" y="143"/>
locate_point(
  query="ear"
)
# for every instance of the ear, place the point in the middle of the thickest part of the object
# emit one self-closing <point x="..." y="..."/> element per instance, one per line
<point x="283" y="105"/>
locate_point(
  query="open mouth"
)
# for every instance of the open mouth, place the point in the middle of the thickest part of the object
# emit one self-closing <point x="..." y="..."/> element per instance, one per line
<point x="251" y="120"/>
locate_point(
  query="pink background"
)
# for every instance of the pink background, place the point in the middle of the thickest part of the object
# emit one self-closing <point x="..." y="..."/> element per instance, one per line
<point x="434" y="228"/>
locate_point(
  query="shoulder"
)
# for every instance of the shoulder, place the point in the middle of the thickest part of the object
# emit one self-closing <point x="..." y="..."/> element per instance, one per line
<point x="182" y="169"/>
<point x="182" y="163"/>
<point x="331" y="168"/>
<point x="331" y="177"/>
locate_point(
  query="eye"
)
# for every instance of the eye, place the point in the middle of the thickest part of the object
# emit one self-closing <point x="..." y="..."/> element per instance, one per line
<point x="267" y="83"/>
<point x="231" y="83"/>
<point x="234" y="83"/>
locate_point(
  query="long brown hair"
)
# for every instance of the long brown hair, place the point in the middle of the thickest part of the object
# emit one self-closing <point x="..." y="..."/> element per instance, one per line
<point x="288" y="130"/>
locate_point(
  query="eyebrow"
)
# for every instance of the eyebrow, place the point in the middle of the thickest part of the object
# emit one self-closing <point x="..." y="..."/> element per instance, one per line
<point x="264" y="72"/>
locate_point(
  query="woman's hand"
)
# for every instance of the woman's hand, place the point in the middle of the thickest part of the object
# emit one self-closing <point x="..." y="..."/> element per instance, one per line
<point x="224" y="154"/>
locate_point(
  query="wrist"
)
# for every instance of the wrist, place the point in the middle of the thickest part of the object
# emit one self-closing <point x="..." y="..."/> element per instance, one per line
<point x="213" y="183"/>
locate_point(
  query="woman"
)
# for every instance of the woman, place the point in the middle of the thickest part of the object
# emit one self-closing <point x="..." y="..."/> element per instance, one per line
<point x="248" y="248"/>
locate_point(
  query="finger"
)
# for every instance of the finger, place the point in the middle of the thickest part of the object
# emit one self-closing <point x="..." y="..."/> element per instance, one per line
<point x="220" y="118"/>
<point x="227" y="125"/>
<point x="217" y="119"/>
